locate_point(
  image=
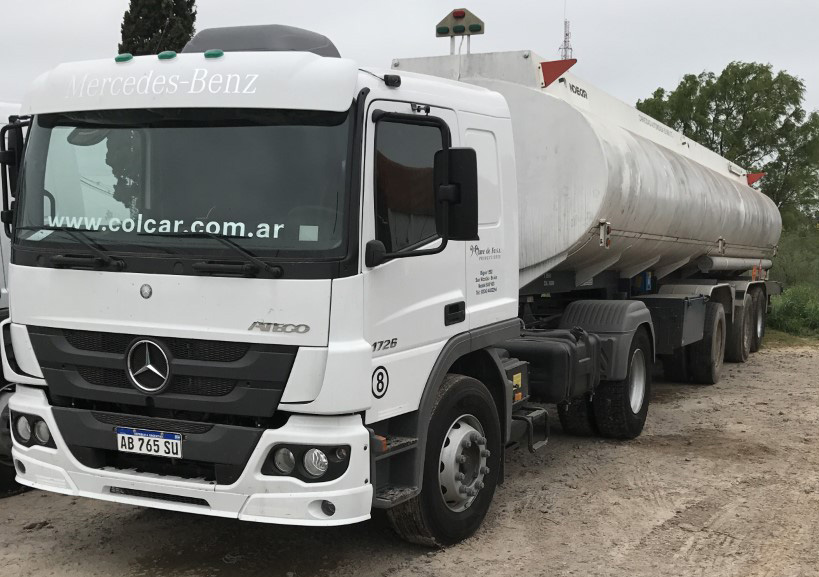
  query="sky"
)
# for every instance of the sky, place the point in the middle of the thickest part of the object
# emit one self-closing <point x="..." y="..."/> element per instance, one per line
<point x="625" y="47"/>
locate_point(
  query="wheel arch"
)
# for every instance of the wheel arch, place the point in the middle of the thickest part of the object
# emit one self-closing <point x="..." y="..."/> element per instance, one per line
<point x="471" y="353"/>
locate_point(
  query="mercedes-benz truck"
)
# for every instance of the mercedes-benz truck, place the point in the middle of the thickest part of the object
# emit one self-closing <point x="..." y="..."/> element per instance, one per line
<point x="256" y="280"/>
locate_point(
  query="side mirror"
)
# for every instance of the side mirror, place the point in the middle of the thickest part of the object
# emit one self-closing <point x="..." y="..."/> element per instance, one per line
<point x="12" y="142"/>
<point x="456" y="181"/>
<point x="375" y="253"/>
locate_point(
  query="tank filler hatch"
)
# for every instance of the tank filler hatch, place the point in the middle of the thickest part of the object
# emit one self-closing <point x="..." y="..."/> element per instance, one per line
<point x="265" y="38"/>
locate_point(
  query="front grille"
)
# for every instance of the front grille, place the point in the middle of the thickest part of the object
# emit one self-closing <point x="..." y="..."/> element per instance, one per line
<point x="186" y="349"/>
<point x="159" y="496"/>
<point x="152" y="424"/>
<point x="180" y="384"/>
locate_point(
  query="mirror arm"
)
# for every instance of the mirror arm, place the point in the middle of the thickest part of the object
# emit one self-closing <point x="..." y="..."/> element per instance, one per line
<point x="444" y="236"/>
<point x="6" y="159"/>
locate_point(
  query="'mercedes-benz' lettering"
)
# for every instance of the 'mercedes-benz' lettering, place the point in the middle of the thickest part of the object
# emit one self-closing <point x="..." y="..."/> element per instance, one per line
<point x="202" y="81"/>
<point x="279" y="328"/>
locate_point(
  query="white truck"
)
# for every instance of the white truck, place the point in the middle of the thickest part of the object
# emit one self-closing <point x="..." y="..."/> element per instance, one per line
<point x="7" y="111"/>
<point x="254" y="280"/>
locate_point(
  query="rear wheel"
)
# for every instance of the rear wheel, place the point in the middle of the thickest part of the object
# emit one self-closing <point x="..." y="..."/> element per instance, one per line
<point x="741" y="332"/>
<point x="760" y="308"/>
<point x="461" y="465"/>
<point x="707" y="355"/>
<point x="621" y="407"/>
<point x="577" y="417"/>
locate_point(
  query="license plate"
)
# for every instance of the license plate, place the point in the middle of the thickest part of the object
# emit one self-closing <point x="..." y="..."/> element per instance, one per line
<point x="154" y="443"/>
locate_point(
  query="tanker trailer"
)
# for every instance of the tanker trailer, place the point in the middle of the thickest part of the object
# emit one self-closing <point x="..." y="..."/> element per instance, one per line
<point x="616" y="206"/>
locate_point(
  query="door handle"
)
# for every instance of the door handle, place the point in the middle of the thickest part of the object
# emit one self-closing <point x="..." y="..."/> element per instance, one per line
<point x="455" y="313"/>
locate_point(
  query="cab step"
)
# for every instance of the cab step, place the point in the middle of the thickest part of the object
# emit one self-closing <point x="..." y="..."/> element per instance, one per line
<point x="531" y="423"/>
<point x="387" y="446"/>
<point x="392" y="495"/>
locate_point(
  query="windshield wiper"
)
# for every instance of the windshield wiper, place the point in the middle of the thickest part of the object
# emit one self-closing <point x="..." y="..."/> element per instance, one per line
<point x="250" y="266"/>
<point x="70" y="261"/>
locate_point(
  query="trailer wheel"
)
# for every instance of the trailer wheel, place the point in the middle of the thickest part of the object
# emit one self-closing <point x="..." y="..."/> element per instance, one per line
<point x="461" y="466"/>
<point x="621" y="407"/>
<point x="760" y="309"/>
<point x="741" y="332"/>
<point x="707" y="355"/>
<point x="577" y="417"/>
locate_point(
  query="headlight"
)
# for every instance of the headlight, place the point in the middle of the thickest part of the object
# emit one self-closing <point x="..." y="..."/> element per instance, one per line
<point x="41" y="433"/>
<point x="315" y="463"/>
<point x="23" y="427"/>
<point x="285" y="461"/>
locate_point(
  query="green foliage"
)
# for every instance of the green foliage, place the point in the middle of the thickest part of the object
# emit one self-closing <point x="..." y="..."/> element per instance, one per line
<point x="797" y="261"/>
<point x="753" y="117"/>
<point x="797" y="311"/>
<point x="152" y="26"/>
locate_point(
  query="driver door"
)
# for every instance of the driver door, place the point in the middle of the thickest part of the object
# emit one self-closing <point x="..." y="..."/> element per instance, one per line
<point x="412" y="306"/>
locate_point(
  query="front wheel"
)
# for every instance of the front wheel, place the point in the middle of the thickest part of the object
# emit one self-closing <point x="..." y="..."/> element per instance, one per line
<point x="461" y="466"/>
<point x="621" y="407"/>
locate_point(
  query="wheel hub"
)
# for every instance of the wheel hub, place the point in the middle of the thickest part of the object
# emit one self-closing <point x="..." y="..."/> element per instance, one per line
<point x="462" y="464"/>
<point x="637" y="381"/>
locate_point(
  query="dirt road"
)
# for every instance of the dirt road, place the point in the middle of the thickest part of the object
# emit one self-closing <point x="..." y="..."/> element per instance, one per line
<point x="723" y="482"/>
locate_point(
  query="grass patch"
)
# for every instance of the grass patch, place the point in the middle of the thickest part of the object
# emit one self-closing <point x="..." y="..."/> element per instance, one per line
<point x="797" y="311"/>
<point x="775" y="339"/>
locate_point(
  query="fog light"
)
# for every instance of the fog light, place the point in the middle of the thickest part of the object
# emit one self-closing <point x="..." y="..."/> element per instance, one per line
<point x="342" y="453"/>
<point x="23" y="429"/>
<point x="328" y="508"/>
<point x="41" y="433"/>
<point x="315" y="463"/>
<point x="285" y="461"/>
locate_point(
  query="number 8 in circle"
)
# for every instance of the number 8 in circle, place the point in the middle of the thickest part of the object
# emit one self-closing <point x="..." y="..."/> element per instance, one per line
<point x="380" y="382"/>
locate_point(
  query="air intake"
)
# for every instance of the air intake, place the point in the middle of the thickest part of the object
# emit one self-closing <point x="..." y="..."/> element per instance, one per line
<point x="267" y="38"/>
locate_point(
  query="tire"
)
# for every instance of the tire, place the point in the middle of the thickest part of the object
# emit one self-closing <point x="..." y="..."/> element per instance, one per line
<point x="706" y="356"/>
<point x="432" y="518"/>
<point x="577" y="417"/>
<point x="740" y="333"/>
<point x="618" y="413"/>
<point x="760" y="319"/>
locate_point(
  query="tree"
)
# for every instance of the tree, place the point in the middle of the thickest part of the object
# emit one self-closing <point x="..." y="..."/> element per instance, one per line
<point x="753" y="117"/>
<point x="152" y="26"/>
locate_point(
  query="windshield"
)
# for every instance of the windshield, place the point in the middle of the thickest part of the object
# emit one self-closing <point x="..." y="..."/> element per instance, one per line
<point x="168" y="180"/>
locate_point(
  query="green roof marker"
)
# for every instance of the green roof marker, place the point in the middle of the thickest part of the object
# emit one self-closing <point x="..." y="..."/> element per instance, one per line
<point x="459" y="29"/>
<point x="124" y="57"/>
<point x="443" y="30"/>
<point x="167" y="55"/>
<point x="215" y="53"/>
<point x="475" y="27"/>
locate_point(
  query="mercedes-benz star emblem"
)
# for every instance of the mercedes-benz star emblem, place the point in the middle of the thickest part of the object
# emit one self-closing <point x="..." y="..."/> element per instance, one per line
<point x="146" y="291"/>
<point x="148" y="366"/>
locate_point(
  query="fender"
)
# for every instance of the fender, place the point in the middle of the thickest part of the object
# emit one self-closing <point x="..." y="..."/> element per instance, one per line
<point x="615" y="322"/>
<point x="457" y="348"/>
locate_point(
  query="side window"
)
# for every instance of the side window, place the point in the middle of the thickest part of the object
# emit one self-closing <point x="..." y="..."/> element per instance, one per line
<point x="404" y="183"/>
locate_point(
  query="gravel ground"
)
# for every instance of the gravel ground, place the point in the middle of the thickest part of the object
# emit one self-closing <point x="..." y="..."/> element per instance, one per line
<point x="723" y="482"/>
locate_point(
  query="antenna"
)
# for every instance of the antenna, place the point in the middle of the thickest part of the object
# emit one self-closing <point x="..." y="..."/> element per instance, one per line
<point x="566" y="51"/>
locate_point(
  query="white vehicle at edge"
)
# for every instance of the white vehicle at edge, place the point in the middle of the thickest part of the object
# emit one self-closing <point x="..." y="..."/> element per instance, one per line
<point x="375" y="334"/>
<point x="7" y="109"/>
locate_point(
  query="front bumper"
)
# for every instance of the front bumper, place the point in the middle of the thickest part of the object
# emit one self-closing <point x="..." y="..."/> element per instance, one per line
<point x="253" y="497"/>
